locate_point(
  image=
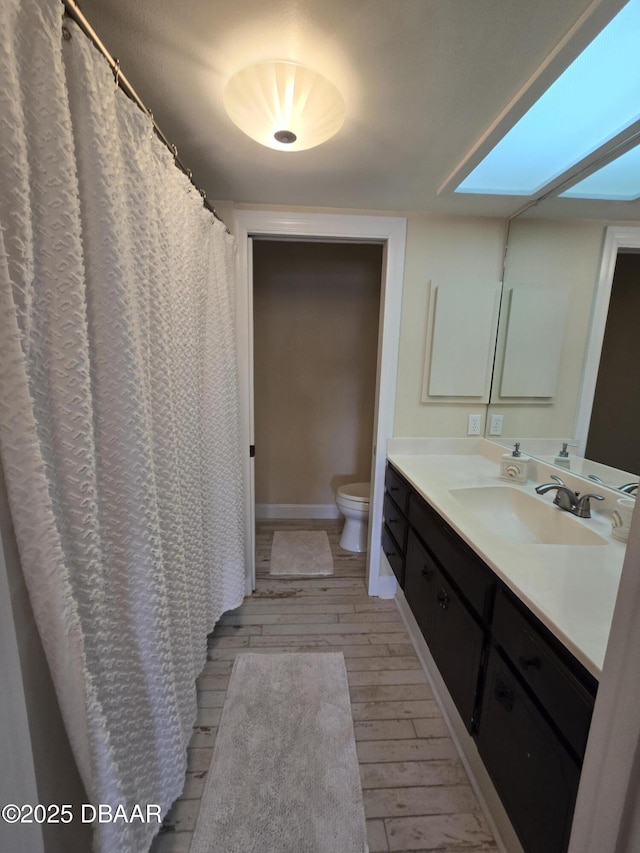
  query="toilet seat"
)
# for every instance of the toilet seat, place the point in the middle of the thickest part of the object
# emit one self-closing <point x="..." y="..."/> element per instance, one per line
<point x="357" y="493"/>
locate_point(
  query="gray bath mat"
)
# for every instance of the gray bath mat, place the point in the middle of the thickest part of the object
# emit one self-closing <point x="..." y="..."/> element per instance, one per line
<point x="284" y="775"/>
<point x="301" y="552"/>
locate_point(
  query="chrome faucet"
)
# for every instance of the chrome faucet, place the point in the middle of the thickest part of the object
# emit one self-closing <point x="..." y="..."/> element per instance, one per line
<point x="628" y="488"/>
<point x="567" y="499"/>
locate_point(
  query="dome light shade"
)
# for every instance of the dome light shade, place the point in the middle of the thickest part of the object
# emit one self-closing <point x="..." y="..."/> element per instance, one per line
<point x="284" y="105"/>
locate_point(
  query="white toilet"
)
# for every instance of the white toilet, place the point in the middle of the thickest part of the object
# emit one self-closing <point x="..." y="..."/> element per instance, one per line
<point x="353" y="503"/>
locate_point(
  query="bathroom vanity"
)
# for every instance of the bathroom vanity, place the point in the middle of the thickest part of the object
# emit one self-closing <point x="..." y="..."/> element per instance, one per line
<point x="521" y="673"/>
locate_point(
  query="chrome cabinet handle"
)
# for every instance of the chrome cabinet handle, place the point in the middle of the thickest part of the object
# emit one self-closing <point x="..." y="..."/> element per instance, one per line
<point x="503" y="694"/>
<point x="443" y="599"/>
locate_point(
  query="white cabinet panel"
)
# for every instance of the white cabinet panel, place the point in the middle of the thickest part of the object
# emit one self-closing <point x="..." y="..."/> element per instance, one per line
<point x="461" y="341"/>
<point x="535" y="332"/>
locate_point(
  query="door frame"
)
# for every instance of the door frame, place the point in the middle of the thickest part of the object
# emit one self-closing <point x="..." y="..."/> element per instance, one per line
<point x="616" y="237"/>
<point x="325" y="227"/>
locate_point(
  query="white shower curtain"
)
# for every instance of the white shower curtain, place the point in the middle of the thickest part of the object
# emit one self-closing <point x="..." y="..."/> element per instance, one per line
<point x="118" y="410"/>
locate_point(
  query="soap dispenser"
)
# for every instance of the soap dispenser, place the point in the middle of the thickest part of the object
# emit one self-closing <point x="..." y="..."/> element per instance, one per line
<point x="514" y="466"/>
<point x="562" y="459"/>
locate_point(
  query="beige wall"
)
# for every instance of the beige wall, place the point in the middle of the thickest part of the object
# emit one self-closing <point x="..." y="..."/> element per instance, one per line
<point x="443" y="250"/>
<point x="316" y="311"/>
<point x="563" y="255"/>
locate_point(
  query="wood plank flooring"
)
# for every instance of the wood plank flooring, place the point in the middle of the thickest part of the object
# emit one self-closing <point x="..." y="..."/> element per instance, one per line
<point x="416" y="794"/>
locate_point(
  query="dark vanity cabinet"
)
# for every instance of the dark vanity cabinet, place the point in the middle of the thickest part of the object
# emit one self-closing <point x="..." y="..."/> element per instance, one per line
<point x="396" y="525"/>
<point x="521" y="694"/>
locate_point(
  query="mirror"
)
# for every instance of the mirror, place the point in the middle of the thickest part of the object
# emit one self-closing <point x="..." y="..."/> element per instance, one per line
<point x="566" y="365"/>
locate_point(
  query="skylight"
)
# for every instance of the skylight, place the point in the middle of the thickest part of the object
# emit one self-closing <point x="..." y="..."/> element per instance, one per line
<point x="617" y="181"/>
<point x="592" y="101"/>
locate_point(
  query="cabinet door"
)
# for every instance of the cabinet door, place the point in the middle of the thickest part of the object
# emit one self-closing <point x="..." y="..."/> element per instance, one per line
<point x="456" y="646"/>
<point x="393" y="554"/>
<point x="533" y="772"/>
<point x="421" y="584"/>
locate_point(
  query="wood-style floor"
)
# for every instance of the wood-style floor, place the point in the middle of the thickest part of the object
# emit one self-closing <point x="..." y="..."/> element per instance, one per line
<point x="416" y="794"/>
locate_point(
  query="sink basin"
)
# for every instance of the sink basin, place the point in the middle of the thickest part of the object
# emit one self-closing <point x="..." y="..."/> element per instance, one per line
<point x="517" y="516"/>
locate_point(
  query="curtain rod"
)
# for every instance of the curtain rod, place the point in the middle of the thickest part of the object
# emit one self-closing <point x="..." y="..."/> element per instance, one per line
<point x="73" y="11"/>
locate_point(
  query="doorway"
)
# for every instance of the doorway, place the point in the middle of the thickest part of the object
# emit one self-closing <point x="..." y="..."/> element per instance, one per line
<point x="316" y="307"/>
<point x="620" y="241"/>
<point x="613" y="429"/>
<point x="391" y="233"/>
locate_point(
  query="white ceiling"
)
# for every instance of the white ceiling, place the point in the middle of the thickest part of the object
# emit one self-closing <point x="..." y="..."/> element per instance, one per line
<point x="422" y="79"/>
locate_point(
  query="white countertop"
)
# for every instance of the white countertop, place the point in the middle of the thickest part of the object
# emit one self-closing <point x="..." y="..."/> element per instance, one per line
<point x="571" y="588"/>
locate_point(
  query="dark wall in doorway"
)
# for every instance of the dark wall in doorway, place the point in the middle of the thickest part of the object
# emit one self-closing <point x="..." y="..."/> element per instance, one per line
<point x="614" y="428"/>
<point x="316" y="312"/>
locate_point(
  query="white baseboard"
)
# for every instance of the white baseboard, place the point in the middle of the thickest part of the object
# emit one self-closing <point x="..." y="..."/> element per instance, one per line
<point x="297" y="511"/>
<point x="490" y="802"/>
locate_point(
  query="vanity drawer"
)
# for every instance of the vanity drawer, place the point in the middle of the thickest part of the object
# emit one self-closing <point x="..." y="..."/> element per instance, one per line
<point x="560" y="692"/>
<point x="393" y="554"/>
<point x="476" y="582"/>
<point x="396" y="522"/>
<point x="397" y="488"/>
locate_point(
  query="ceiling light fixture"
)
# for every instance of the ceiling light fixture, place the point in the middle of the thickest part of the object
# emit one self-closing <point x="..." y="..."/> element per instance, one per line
<point x="284" y="105"/>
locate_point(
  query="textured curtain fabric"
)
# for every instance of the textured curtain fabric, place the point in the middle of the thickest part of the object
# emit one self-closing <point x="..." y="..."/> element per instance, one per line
<point x="118" y="411"/>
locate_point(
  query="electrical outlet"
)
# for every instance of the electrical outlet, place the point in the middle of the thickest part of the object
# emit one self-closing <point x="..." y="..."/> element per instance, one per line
<point x="495" y="425"/>
<point x="474" y="425"/>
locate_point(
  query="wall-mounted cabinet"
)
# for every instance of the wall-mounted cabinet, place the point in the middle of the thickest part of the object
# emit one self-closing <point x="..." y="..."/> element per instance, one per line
<point x="507" y="346"/>
<point x="520" y="693"/>
<point x="461" y="332"/>
<point x="529" y="354"/>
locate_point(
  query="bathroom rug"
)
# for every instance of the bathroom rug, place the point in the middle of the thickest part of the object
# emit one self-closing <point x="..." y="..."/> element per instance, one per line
<point x="284" y="774"/>
<point x="300" y="552"/>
